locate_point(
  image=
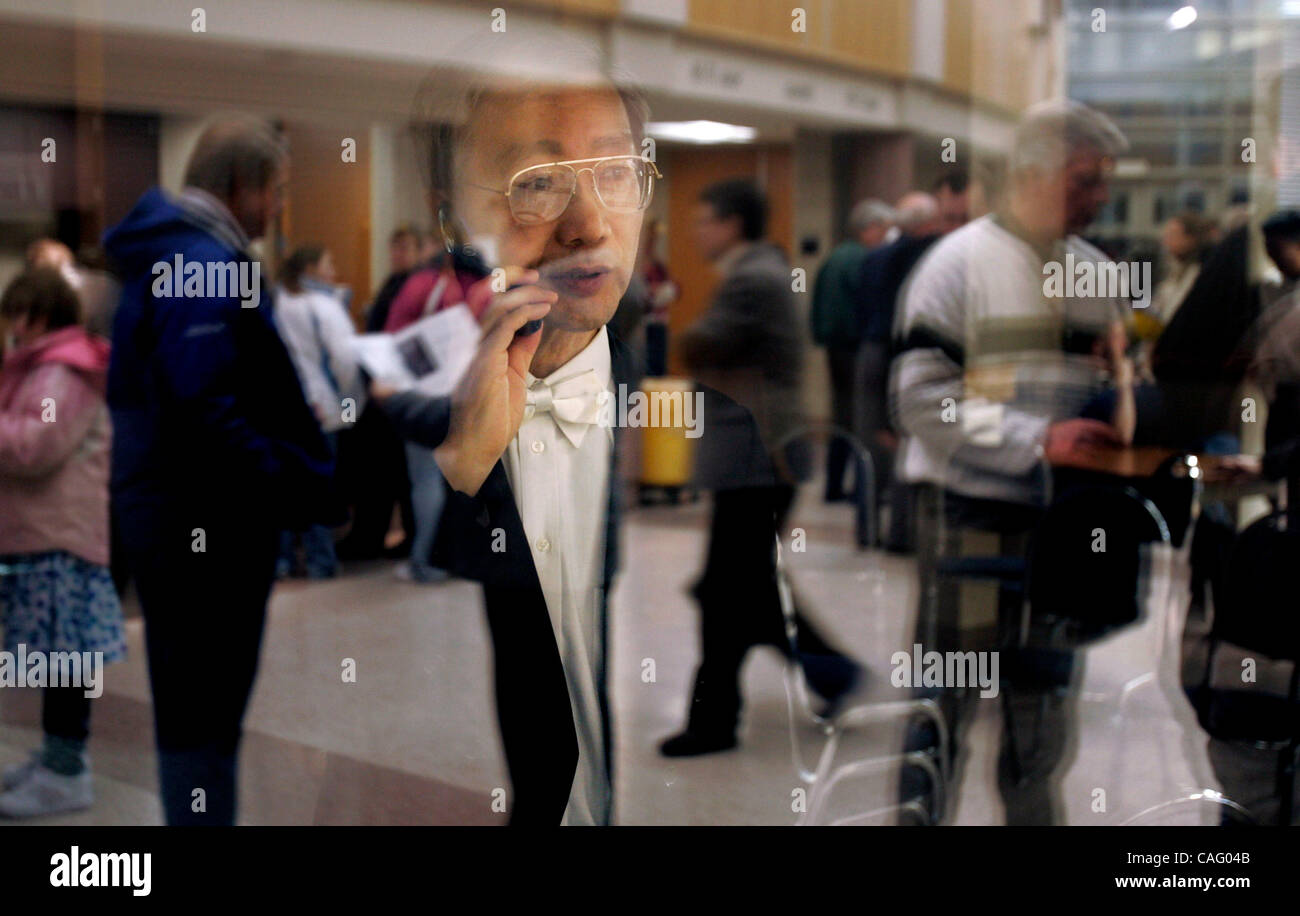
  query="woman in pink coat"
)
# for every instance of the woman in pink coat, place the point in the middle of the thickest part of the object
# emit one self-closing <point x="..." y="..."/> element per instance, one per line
<point x="56" y="594"/>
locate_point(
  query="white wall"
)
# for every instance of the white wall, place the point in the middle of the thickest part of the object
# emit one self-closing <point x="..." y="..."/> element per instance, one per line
<point x="176" y="138"/>
<point x="397" y="193"/>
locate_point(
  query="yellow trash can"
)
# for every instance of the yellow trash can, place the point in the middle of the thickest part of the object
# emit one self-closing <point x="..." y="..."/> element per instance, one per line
<point x="666" y="452"/>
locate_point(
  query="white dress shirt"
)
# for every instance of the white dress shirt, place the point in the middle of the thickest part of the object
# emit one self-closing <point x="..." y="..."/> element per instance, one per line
<point x="560" y="487"/>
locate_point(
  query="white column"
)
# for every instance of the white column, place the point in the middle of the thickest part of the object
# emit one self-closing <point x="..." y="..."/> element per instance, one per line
<point x="929" y="34"/>
<point x="177" y="135"/>
<point x="397" y="192"/>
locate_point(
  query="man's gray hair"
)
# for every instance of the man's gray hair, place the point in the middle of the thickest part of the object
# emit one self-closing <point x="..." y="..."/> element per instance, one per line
<point x="1050" y="132"/>
<point x="870" y="212"/>
<point x="448" y="103"/>
<point x="915" y="208"/>
<point x="235" y="151"/>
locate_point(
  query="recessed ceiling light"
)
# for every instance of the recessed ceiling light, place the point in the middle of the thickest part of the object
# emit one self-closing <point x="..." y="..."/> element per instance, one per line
<point x="1181" y="18"/>
<point x="701" y="132"/>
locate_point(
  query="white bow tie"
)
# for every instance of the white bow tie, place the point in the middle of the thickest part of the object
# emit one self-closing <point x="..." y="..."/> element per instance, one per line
<point x="573" y="402"/>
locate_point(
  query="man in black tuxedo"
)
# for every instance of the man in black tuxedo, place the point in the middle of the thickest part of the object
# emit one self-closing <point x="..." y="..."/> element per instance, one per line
<point x="551" y="177"/>
<point x="550" y="181"/>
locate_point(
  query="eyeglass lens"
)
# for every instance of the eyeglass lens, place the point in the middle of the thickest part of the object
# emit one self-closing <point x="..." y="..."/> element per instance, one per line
<point x="541" y="193"/>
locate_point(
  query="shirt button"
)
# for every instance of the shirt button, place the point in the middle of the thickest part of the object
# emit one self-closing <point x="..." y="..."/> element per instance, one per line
<point x="529" y="410"/>
<point x="538" y="446"/>
<point x="543" y="544"/>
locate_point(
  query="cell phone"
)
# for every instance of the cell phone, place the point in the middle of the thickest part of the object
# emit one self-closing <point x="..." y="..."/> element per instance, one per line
<point x="476" y="259"/>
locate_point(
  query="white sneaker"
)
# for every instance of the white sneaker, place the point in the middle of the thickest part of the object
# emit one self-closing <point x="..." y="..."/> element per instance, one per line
<point x="16" y="775"/>
<point x="46" y="792"/>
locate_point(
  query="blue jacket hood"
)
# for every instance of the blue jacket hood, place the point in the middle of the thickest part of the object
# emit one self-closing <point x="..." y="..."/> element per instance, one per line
<point x="209" y="417"/>
<point x="157" y="227"/>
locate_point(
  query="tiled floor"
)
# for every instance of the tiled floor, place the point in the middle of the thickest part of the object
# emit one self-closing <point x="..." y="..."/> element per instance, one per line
<point x="413" y="740"/>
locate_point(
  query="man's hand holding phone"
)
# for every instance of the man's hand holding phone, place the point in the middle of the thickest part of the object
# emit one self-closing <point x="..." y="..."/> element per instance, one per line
<point x="488" y="403"/>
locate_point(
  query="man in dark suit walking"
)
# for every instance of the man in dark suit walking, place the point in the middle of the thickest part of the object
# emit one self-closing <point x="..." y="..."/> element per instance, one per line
<point x="749" y="347"/>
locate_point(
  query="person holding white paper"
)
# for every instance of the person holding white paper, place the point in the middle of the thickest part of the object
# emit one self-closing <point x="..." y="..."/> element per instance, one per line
<point x="318" y="334"/>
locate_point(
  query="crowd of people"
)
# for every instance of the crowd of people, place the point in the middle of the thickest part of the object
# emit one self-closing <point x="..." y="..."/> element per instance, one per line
<point x="979" y="392"/>
<point x="237" y="443"/>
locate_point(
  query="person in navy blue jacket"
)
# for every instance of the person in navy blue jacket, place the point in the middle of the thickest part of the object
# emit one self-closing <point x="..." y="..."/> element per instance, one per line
<point x="215" y="450"/>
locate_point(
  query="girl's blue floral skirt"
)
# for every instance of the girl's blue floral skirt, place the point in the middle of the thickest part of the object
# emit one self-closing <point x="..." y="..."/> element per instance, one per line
<point x="58" y="602"/>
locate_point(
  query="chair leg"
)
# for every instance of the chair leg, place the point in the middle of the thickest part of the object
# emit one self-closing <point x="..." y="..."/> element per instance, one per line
<point x="1286" y="767"/>
<point x="1013" y="742"/>
<point x="864" y="485"/>
<point x="1209" y="671"/>
<point x="1287" y="758"/>
<point x="1040" y="715"/>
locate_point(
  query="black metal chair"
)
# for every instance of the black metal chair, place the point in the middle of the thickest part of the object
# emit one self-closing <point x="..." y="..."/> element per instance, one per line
<point x="1077" y="595"/>
<point x="1007" y="572"/>
<point x="1230" y="813"/>
<point x="799" y="451"/>
<point x="1079" y="588"/>
<point x="1259" y="613"/>
<point x="830" y="773"/>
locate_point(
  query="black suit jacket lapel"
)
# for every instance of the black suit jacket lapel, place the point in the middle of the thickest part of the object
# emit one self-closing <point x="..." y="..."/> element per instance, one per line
<point x="626" y="373"/>
<point x="482" y="537"/>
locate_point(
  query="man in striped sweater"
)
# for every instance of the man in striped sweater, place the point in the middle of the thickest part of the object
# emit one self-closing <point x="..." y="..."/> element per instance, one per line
<point x="993" y="372"/>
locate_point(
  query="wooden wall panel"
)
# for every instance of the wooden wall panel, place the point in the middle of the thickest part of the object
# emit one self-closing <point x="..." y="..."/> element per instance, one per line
<point x="603" y="9"/>
<point x="877" y="32"/>
<point x="990" y="50"/>
<point x="873" y="35"/>
<point x="329" y="202"/>
<point x="958" y="41"/>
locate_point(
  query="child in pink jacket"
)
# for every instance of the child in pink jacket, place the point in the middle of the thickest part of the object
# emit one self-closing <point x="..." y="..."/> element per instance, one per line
<point x="56" y="594"/>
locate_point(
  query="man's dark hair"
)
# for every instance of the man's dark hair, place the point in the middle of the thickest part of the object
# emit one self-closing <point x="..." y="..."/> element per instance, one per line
<point x="956" y="181"/>
<point x="1283" y="226"/>
<point x="42" y="293"/>
<point x="303" y="257"/>
<point x="405" y="231"/>
<point x="739" y="197"/>
<point x="1200" y="229"/>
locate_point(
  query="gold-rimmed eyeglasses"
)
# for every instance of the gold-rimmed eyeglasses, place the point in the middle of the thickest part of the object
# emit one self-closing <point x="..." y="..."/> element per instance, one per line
<point x="541" y="193"/>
